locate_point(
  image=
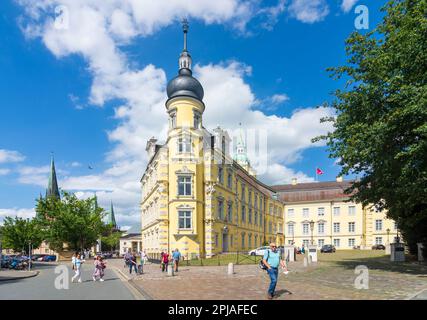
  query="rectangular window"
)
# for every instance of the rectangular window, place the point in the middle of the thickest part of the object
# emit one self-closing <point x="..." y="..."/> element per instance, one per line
<point x="243" y="241"/>
<point x="336" y="227"/>
<point x="321" y="212"/>
<point x="184" y="186"/>
<point x="243" y="213"/>
<point x="351" y="242"/>
<point x="290" y="229"/>
<point x="184" y="219"/>
<point x="351" y="210"/>
<point x="256" y="217"/>
<point x="351" y="226"/>
<point x="230" y="212"/>
<point x="250" y="197"/>
<point x="291" y="213"/>
<point x="243" y="192"/>
<point x="337" y="243"/>
<point x="184" y="145"/>
<point x="378" y="240"/>
<point x="221" y="174"/>
<point x="378" y="225"/>
<point x="173" y="120"/>
<point x="229" y="180"/>
<point x="197" y="120"/>
<point x="280" y="228"/>
<point x="305" y="243"/>
<point x="321" y="228"/>
<point x="250" y="241"/>
<point x="305" y="213"/>
<point x="320" y="242"/>
<point x="270" y="227"/>
<point x="250" y="215"/>
<point x="305" y="228"/>
<point x="270" y="209"/>
<point x="220" y="209"/>
<point x="337" y="211"/>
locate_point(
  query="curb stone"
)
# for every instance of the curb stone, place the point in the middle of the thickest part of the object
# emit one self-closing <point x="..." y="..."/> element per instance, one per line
<point x="34" y="274"/>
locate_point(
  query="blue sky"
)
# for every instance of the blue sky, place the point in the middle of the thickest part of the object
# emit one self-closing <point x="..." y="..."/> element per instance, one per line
<point x="97" y="102"/>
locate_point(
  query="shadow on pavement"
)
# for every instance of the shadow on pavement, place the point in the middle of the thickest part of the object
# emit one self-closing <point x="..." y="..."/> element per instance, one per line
<point x="384" y="264"/>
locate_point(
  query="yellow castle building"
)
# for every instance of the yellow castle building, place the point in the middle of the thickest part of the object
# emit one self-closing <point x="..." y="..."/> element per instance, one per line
<point x="199" y="198"/>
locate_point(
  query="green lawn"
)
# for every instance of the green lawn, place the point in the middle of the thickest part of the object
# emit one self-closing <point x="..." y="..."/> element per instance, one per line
<point x="223" y="260"/>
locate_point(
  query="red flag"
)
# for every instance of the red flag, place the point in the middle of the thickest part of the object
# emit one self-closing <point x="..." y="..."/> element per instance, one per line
<point x="319" y="171"/>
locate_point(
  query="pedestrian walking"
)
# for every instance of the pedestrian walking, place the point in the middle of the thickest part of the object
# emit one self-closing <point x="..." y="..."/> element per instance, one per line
<point x="73" y="260"/>
<point x="78" y="266"/>
<point x="176" y="256"/>
<point x="132" y="263"/>
<point x="271" y="260"/>
<point x="127" y="258"/>
<point x="165" y="261"/>
<point x="99" y="269"/>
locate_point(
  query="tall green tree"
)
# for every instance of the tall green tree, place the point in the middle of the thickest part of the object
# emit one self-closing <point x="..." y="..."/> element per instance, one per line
<point x="110" y="239"/>
<point x="71" y="221"/>
<point x="380" y="128"/>
<point x="19" y="233"/>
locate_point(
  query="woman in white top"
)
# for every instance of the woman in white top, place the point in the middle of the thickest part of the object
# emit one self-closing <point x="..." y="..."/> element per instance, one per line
<point x="78" y="265"/>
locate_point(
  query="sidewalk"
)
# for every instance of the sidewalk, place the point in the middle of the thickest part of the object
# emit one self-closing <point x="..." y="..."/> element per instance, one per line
<point x="9" y="275"/>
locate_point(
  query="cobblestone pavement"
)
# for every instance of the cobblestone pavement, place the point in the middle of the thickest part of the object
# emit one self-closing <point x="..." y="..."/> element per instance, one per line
<point x="326" y="279"/>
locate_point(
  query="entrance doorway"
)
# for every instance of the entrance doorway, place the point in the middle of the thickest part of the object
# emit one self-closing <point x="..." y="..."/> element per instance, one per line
<point x="224" y="242"/>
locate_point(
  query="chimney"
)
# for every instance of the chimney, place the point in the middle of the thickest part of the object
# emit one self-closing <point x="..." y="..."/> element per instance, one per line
<point x="294" y="181"/>
<point x="339" y="179"/>
<point x="151" y="147"/>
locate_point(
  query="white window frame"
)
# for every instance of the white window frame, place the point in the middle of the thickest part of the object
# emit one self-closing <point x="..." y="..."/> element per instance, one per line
<point x="188" y="216"/>
<point x="186" y="183"/>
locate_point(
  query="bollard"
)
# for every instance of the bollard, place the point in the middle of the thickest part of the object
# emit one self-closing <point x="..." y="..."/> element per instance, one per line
<point x="230" y="270"/>
<point x="305" y="261"/>
<point x="170" y="270"/>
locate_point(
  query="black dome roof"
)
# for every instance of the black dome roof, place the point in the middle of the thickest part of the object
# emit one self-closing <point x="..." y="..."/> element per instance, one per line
<point x="184" y="84"/>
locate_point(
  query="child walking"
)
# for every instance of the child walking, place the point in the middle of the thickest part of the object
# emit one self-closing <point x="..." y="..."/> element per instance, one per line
<point x="99" y="269"/>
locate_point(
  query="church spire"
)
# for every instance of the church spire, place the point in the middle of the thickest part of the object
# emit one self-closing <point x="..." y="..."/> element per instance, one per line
<point x="185" y="58"/>
<point x="111" y="217"/>
<point x="241" y="155"/>
<point x="52" y="188"/>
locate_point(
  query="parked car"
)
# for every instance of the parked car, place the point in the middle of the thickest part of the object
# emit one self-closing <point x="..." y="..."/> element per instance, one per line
<point x="36" y="257"/>
<point x="327" y="248"/>
<point x="378" y="247"/>
<point x="258" y="251"/>
<point x="48" y="258"/>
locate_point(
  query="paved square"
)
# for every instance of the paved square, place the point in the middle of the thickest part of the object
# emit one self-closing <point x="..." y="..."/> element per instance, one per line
<point x="331" y="278"/>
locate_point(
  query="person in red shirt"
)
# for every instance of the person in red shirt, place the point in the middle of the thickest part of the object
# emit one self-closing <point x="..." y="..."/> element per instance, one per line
<point x="165" y="261"/>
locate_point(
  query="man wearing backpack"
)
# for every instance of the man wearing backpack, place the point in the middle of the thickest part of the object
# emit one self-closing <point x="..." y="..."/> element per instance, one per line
<point x="271" y="260"/>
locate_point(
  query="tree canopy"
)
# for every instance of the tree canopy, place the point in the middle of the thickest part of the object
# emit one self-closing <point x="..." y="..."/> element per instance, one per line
<point x="71" y="221"/>
<point x="380" y="128"/>
<point x="19" y="233"/>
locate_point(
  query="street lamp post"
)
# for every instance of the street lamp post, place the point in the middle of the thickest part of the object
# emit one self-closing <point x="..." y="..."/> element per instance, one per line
<point x="312" y="228"/>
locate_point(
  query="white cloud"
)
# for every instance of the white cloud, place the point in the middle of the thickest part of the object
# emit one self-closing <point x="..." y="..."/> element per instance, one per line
<point x="346" y="5"/>
<point x="17" y="212"/>
<point x="75" y="164"/>
<point x="4" y="172"/>
<point x="309" y="11"/>
<point x="8" y="156"/>
<point x="96" y="31"/>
